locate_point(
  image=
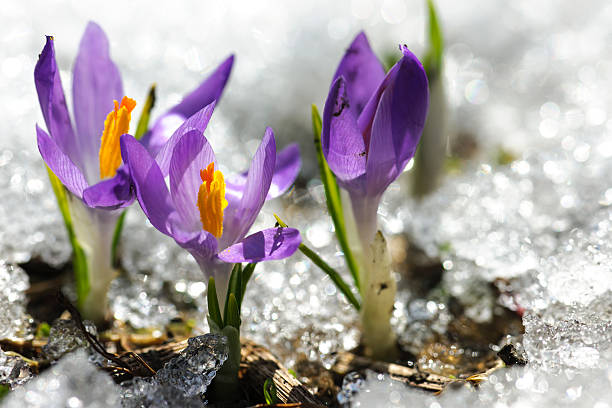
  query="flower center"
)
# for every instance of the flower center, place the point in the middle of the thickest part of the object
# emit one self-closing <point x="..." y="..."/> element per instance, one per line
<point x="211" y="200"/>
<point x="116" y="124"/>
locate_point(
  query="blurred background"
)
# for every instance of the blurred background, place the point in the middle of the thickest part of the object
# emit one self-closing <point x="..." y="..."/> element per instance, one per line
<point x="515" y="72"/>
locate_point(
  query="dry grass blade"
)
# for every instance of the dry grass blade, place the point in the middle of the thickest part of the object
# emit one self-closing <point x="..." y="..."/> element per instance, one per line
<point x="347" y="362"/>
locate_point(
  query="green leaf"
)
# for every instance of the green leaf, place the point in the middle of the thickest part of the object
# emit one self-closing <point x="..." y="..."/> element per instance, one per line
<point x="247" y="272"/>
<point x="233" y="312"/>
<point x="4" y="390"/>
<point x="62" y="200"/>
<point x="234" y="287"/>
<point x="225" y="385"/>
<point x="145" y="116"/>
<point x="81" y="273"/>
<point x="280" y="222"/>
<point x="214" y="327"/>
<point x="332" y="194"/>
<point x="117" y="239"/>
<point x="214" y="312"/>
<point x="79" y="260"/>
<point x="333" y="274"/>
<point x="432" y="62"/>
<point x="269" y="391"/>
<point x="43" y="330"/>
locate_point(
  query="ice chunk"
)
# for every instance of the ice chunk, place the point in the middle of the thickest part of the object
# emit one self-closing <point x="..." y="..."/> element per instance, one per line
<point x="65" y="336"/>
<point x="13" y="283"/>
<point x="149" y="393"/>
<point x="193" y="370"/>
<point x="351" y="385"/>
<point x="183" y="380"/>
<point x="13" y="370"/>
<point x="72" y="382"/>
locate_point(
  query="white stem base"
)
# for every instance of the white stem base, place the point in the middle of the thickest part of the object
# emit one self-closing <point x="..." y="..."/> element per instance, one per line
<point x="378" y="289"/>
<point x="94" y="231"/>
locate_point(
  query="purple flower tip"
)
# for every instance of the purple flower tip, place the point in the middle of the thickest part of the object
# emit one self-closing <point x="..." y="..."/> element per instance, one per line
<point x="373" y="117"/>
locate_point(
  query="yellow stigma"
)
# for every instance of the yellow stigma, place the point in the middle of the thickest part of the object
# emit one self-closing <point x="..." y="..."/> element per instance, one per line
<point x="116" y="124"/>
<point x="211" y="200"/>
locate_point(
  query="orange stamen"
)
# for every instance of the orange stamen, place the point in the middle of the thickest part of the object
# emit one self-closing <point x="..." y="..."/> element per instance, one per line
<point x="116" y="124"/>
<point x="211" y="200"/>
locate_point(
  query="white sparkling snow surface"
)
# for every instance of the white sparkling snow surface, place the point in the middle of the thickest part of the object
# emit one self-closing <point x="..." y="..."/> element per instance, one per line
<point x="73" y="382"/>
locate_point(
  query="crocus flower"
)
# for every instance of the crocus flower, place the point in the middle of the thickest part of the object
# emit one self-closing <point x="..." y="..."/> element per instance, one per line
<point x="86" y="157"/>
<point x="205" y="215"/>
<point x="372" y="123"/>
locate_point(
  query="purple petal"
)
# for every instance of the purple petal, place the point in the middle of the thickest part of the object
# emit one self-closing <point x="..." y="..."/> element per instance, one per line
<point x="112" y="193"/>
<point x="53" y="103"/>
<point x="96" y="83"/>
<point x="201" y="245"/>
<point x="365" y="119"/>
<point x="156" y="203"/>
<point x="267" y="245"/>
<point x="409" y="104"/>
<point x="342" y="143"/>
<point x="191" y="154"/>
<point x="198" y="121"/>
<point x="149" y="184"/>
<point x="288" y="164"/>
<point x="362" y="72"/>
<point x="161" y="131"/>
<point x="207" y="92"/>
<point x="239" y="218"/>
<point x="398" y="123"/>
<point x="60" y="164"/>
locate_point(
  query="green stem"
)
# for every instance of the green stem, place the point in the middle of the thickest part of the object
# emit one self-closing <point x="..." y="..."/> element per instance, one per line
<point x="225" y="386"/>
<point x="433" y="59"/>
<point x="117" y="238"/>
<point x="79" y="260"/>
<point x="335" y="276"/>
<point x="145" y="116"/>
<point x="331" y="272"/>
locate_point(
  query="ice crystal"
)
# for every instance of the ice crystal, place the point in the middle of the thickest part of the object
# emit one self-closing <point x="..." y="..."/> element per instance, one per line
<point x="183" y="380"/>
<point x="65" y="336"/>
<point x="72" y="382"/>
<point x="13" y="283"/>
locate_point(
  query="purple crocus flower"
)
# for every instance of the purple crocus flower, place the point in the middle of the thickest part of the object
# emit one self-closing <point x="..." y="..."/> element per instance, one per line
<point x="74" y="156"/>
<point x="202" y="217"/>
<point x="86" y="157"/>
<point x="372" y="124"/>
